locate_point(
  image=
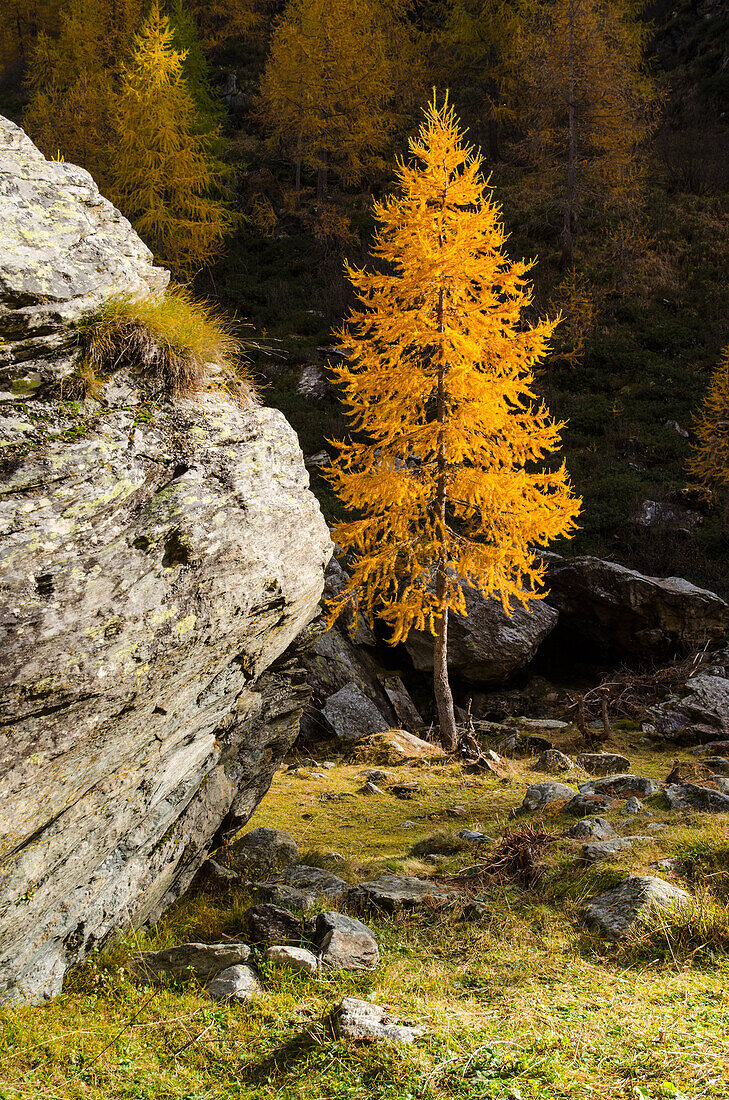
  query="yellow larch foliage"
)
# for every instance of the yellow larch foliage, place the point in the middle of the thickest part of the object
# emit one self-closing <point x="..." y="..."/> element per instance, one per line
<point x="591" y="100"/>
<point x="709" y="461"/>
<point x="21" y="21"/>
<point x="327" y="90"/>
<point x="219" y="21"/>
<point x="444" y="475"/>
<point x="165" y="176"/>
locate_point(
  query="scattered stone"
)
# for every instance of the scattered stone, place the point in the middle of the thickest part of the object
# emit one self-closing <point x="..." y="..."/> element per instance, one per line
<point x="398" y="746"/>
<point x="313" y="384"/>
<point x="371" y="788"/>
<point x="555" y="724"/>
<point x="407" y="824"/>
<point x="345" y="943"/>
<point x="395" y="892"/>
<point x="604" y="849"/>
<point x="237" y="983"/>
<point x="542" y="794"/>
<point x="711" y="748"/>
<point x="405" y="790"/>
<point x="375" y="774"/>
<point x="632" y="806"/>
<point x="701" y="714"/>
<point x="674" y="865"/>
<point x="656" y="826"/>
<point x="272" y="924"/>
<point x="366" y="1022"/>
<point x="456" y="811"/>
<point x="603" y="763"/>
<point x="405" y="709"/>
<point x="190" y="960"/>
<point x="474" y="837"/>
<point x="621" y="786"/>
<point x="717" y="765"/>
<point x="286" y="897"/>
<point x="352" y="715"/>
<point x="224" y="876"/>
<point x="263" y="850"/>
<point x="295" y="958"/>
<point x="692" y="796"/>
<point x="554" y="761"/>
<point x="475" y="910"/>
<point x="314" y="880"/>
<point x="584" y="804"/>
<point x="599" y="828"/>
<point x="619" y="911"/>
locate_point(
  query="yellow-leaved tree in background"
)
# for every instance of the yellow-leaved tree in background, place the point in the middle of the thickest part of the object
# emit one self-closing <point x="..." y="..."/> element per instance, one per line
<point x="329" y="84"/>
<point x="165" y="177"/>
<point x="444" y="478"/>
<point x="709" y="461"/>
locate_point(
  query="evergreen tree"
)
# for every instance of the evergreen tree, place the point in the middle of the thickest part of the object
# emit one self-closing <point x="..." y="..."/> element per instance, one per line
<point x="165" y="176"/>
<point x="444" y="481"/>
<point x="590" y="102"/>
<point x="327" y="90"/>
<point x="709" y="461"/>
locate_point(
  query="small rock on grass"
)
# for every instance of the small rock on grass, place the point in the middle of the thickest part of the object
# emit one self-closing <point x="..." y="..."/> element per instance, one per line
<point x="474" y="837"/>
<point x="189" y="960"/>
<point x="272" y="924"/>
<point x="294" y="958"/>
<point x="237" y="983"/>
<point x="554" y="761"/>
<point x="264" y="850"/>
<point x="598" y="828"/>
<point x="286" y="897"/>
<point x="603" y="763"/>
<point x="622" y="910"/>
<point x="692" y="796"/>
<point x="395" y="892"/>
<point x="542" y="794"/>
<point x="366" y="1022"/>
<point x="584" y="805"/>
<point x="604" y="849"/>
<point x="345" y="943"/>
<point x="313" y="880"/>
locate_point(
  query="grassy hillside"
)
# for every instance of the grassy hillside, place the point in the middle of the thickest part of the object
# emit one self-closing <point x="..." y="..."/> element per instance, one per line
<point x="520" y="1003"/>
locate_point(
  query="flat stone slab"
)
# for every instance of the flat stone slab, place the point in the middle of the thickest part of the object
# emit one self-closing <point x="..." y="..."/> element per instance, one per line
<point x="189" y="960"/>
<point x="293" y="958"/>
<point x="692" y="796"/>
<point x="237" y="983"/>
<point x="620" y="911"/>
<point x="622" y="786"/>
<point x="362" y="1021"/>
<point x="345" y="943"/>
<point x="394" y="892"/>
<point x="603" y="763"/>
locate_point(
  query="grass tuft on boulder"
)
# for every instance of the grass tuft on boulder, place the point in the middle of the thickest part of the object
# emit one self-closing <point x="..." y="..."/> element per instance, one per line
<point x="175" y="340"/>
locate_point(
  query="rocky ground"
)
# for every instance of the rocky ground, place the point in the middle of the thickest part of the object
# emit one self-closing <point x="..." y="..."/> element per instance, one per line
<point x="395" y="924"/>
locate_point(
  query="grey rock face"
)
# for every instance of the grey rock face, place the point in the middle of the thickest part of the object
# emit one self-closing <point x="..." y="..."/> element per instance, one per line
<point x="622" y="786"/>
<point x="313" y="880"/>
<point x="620" y="911"/>
<point x="272" y="924"/>
<point x="624" y="613"/>
<point x="237" y="983"/>
<point x="363" y="1021"/>
<point x="190" y="960"/>
<point x="702" y="714"/>
<point x="345" y="943"/>
<point x="294" y="958"/>
<point x="263" y="850"/>
<point x="63" y="250"/>
<point x="552" y="760"/>
<point x="352" y="715"/>
<point x="598" y="828"/>
<point x="284" y="896"/>
<point x="395" y="892"/>
<point x="585" y="804"/>
<point x="486" y="646"/>
<point x="541" y="794"/>
<point x="603" y="763"/>
<point x="692" y="796"/>
<point x="152" y="572"/>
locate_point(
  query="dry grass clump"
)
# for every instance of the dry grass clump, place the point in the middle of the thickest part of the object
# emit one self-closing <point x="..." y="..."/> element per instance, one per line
<point x="175" y="340"/>
<point x="518" y="858"/>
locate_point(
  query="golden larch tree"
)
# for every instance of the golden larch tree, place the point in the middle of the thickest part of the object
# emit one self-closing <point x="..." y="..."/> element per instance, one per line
<point x="445" y="475"/>
<point x="165" y="177"/>
<point x="709" y="461"/>
<point x="327" y="89"/>
<point x="590" y="102"/>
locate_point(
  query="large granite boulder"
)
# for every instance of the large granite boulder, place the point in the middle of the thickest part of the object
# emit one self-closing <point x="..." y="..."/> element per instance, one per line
<point x="624" y="614"/>
<point x="700" y="715"/>
<point x="486" y="646"/>
<point x="156" y="565"/>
